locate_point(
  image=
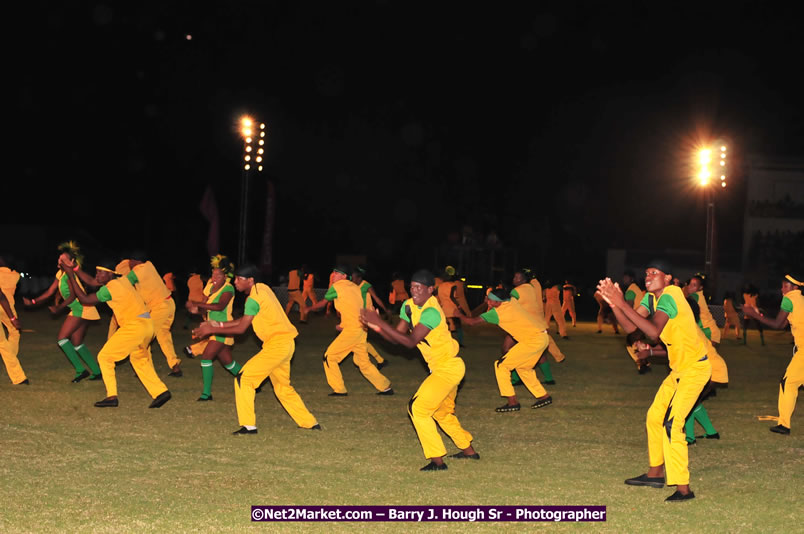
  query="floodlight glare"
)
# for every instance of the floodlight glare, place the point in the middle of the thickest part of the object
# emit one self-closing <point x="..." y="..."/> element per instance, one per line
<point x="705" y="156"/>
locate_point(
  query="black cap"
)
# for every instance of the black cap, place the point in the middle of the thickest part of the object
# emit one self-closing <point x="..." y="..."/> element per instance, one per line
<point x="424" y="277"/>
<point x="662" y="265"/>
<point x="343" y="269"/>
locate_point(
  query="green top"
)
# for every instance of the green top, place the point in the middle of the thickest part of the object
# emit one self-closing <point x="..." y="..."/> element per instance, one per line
<point x="220" y="315"/>
<point x="491" y="315"/>
<point x="331" y="293"/>
<point x="629" y="295"/>
<point x="252" y="307"/>
<point x="787" y="305"/>
<point x="515" y="294"/>
<point x="430" y="317"/>
<point x="103" y="294"/>
<point x="665" y="304"/>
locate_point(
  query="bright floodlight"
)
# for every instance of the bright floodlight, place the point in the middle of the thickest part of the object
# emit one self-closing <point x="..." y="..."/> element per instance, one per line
<point x="703" y="176"/>
<point x="722" y="163"/>
<point x="262" y="126"/>
<point x="705" y="156"/>
<point x="722" y="184"/>
<point x="723" y="149"/>
<point x="246" y="122"/>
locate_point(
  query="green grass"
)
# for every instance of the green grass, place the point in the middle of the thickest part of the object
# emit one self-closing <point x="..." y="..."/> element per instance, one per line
<point x="67" y="466"/>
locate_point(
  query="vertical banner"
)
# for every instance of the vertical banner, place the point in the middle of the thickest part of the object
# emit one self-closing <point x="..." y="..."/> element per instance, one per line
<point x="267" y="256"/>
<point x="209" y="209"/>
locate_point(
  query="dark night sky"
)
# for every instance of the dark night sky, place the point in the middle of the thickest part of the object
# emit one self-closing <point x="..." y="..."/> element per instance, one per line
<point x="564" y="127"/>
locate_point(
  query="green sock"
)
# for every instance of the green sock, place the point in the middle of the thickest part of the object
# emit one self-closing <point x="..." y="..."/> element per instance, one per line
<point x="702" y="417"/>
<point x="548" y="374"/>
<point x="207" y="370"/>
<point x="233" y="368"/>
<point x="89" y="359"/>
<point x="689" y="428"/>
<point x="69" y="351"/>
<point x="515" y="378"/>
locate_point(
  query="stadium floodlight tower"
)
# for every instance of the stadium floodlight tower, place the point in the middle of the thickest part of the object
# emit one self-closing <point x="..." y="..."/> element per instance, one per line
<point x="252" y="162"/>
<point x="711" y="163"/>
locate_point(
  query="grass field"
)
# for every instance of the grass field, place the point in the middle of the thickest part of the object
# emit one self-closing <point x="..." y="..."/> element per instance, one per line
<point x="67" y="466"/>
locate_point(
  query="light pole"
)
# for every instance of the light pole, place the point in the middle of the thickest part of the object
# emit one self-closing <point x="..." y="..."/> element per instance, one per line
<point x="712" y="162"/>
<point x="252" y="160"/>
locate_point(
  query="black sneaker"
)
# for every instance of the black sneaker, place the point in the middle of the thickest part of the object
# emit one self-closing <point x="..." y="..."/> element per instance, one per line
<point x="80" y="377"/>
<point x="336" y="394"/>
<point x="381" y="365"/>
<point x="550" y="382"/>
<point x="779" y="429"/>
<point x="161" y="399"/>
<point x="108" y="402"/>
<point x="542" y="403"/>
<point x="645" y="480"/>
<point x="244" y="430"/>
<point x="176" y="371"/>
<point x="189" y="353"/>
<point x="463" y="456"/>
<point x="678" y="496"/>
<point x="508" y="408"/>
<point x="315" y="427"/>
<point x="202" y="398"/>
<point x="388" y="391"/>
<point x="432" y="466"/>
<point x="26" y="382"/>
<point x="96" y="377"/>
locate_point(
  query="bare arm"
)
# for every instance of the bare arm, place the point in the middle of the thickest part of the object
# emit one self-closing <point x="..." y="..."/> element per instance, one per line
<point x="78" y="292"/>
<point x="228" y="328"/>
<point x="318" y="306"/>
<point x="217" y="306"/>
<point x="628" y="317"/>
<point x="46" y="295"/>
<point x="398" y="335"/>
<point x="377" y="299"/>
<point x="778" y="322"/>
<point x="7" y="308"/>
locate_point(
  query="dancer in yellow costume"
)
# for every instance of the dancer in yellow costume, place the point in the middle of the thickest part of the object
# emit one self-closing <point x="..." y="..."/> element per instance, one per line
<point x="633" y="296"/>
<point x="665" y="314"/>
<point x="133" y="337"/>
<point x="446" y="292"/>
<point x="217" y="307"/>
<point x="528" y="295"/>
<point x="295" y="294"/>
<point x="195" y="291"/>
<point x="536" y="306"/>
<point x="10" y="343"/>
<point x="352" y="338"/>
<point x="144" y="277"/>
<point x="265" y="314"/>
<point x="308" y="291"/>
<point x="792" y="312"/>
<point x="750" y="296"/>
<point x="531" y="341"/>
<point x="73" y="330"/>
<point x="369" y="298"/>
<point x="732" y="317"/>
<point x="568" y="301"/>
<point x="552" y="308"/>
<point x="329" y="302"/>
<point x="694" y="290"/>
<point x="424" y="326"/>
<point x="398" y="293"/>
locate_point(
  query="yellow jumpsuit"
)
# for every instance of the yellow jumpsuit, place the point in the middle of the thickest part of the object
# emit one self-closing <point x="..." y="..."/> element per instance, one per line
<point x="10" y="345"/>
<point x="398" y="292"/>
<point x="277" y="334"/>
<point x="634" y="294"/>
<point x="531" y="337"/>
<point x="529" y="297"/>
<point x="706" y="317"/>
<point x="732" y="318"/>
<point x="352" y="339"/>
<point x="368" y="303"/>
<point x="552" y="308"/>
<point x="133" y="337"/>
<point x="309" y="291"/>
<point x="568" y="304"/>
<point x="198" y="348"/>
<point x="295" y="294"/>
<point x="448" y="306"/>
<point x="690" y="370"/>
<point x="793" y="303"/>
<point x="434" y="401"/>
<point x="160" y="305"/>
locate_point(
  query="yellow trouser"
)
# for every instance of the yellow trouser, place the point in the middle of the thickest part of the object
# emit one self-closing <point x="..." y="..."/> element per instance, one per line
<point x="788" y="387"/>
<point x="553" y="309"/>
<point x="569" y="306"/>
<point x="9" y="348"/>
<point x="731" y="322"/>
<point x="523" y="358"/>
<point x="296" y="297"/>
<point x="667" y="415"/>
<point x="434" y="402"/>
<point x="162" y="315"/>
<point x="715" y="334"/>
<point x="272" y="361"/>
<point x="351" y="340"/>
<point x="198" y="348"/>
<point x="720" y="373"/>
<point x="309" y="294"/>
<point x="132" y="339"/>
<point x="553" y="349"/>
<point x="373" y="352"/>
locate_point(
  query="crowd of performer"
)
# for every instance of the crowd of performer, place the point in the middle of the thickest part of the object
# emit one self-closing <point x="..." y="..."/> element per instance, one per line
<point x="663" y="320"/>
